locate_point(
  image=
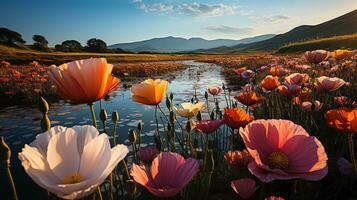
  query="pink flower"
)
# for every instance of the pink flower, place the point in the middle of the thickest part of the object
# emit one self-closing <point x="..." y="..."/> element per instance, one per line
<point x="282" y="150"/>
<point x="308" y="106"/>
<point x="294" y="90"/>
<point x="274" y="198"/>
<point x="248" y="88"/>
<point x="325" y="83"/>
<point x="244" y="187"/>
<point x="170" y="172"/>
<point x="147" y="154"/>
<point x="297" y="79"/>
<point x="341" y="100"/>
<point x="344" y="166"/>
<point x="214" y="90"/>
<point x="208" y="126"/>
<point x="316" y="56"/>
<point x="248" y="74"/>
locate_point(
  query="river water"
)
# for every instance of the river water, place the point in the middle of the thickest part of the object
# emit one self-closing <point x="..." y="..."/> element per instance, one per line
<point x="19" y="125"/>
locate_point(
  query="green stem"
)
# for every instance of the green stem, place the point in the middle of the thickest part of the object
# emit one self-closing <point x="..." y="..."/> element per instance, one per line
<point x="100" y="193"/>
<point x="352" y="152"/>
<point x="11" y="181"/>
<point x="91" y="106"/>
<point x="115" y="133"/>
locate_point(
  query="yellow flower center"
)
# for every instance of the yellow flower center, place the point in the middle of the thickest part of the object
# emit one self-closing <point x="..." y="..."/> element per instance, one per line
<point x="72" y="178"/>
<point x="278" y="160"/>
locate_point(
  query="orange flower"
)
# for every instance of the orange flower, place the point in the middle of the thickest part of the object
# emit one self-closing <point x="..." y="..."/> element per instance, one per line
<point x="84" y="81"/>
<point x="249" y="98"/>
<point x="236" y="118"/>
<point x="341" y="54"/>
<point x="149" y="92"/>
<point x="283" y="91"/>
<point x="342" y="119"/>
<point x="238" y="159"/>
<point x="278" y="71"/>
<point x="270" y="83"/>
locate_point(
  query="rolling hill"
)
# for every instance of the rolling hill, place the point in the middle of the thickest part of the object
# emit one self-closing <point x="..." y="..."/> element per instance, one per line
<point x="343" y="25"/>
<point x="176" y="44"/>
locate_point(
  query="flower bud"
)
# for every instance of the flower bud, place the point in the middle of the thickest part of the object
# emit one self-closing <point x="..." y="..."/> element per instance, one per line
<point x="172" y="117"/>
<point x="168" y="103"/>
<point x="223" y="86"/>
<point x="199" y="116"/>
<point x="45" y="123"/>
<point x="132" y="136"/>
<point x="140" y="126"/>
<point x="212" y="115"/>
<point x="115" y="116"/>
<point x="103" y="115"/>
<point x="171" y="96"/>
<point x="206" y="95"/>
<point x="43" y="105"/>
<point x="5" y="152"/>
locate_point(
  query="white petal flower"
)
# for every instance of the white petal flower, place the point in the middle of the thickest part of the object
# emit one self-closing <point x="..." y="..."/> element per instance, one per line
<point x="71" y="162"/>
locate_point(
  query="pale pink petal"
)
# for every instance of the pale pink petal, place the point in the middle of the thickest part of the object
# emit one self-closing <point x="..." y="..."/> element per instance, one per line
<point x="84" y="135"/>
<point x="186" y="172"/>
<point x="244" y="187"/>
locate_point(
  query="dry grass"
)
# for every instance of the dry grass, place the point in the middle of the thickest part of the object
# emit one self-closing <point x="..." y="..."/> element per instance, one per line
<point x="331" y="43"/>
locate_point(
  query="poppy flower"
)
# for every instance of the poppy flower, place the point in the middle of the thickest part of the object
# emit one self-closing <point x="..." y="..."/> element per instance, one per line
<point x="249" y="98"/>
<point x="247" y="74"/>
<point x="342" y="119"/>
<point x="270" y="83"/>
<point x="316" y="56"/>
<point x="238" y="159"/>
<point x="71" y="162"/>
<point x="149" y="92"/>
<point x="189" y="110"/>
<point x="278" y="71"/>
<point x="308" y="106"/>
<point x="340" y="54"/>
<point x="208" y="126"/>
<point x="147" y="154"/>
<point x="236" y="117"/>
<point x="84" y="81"/>
<point x="341" y="100"/>
<point x="214" y="90"/>
<point x="169" y="173"/>
<point x="297" y="79"/>
<point x="328" y="84"/>
<point x="244" y="187"/>
<point x="283" y="150"/>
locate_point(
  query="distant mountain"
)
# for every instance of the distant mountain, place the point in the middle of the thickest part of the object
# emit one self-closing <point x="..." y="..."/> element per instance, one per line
<point x="176" y="44"/>
<point x="343" y="25"/>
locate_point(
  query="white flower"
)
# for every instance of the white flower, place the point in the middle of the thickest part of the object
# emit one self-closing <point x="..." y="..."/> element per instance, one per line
<point x="71" y="162"/>
<point x="189" y="110"/>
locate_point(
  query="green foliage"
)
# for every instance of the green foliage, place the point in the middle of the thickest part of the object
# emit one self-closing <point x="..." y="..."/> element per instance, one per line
<point x="9" y="37"/>
<point x="40" y="42"/>
<point x="96" y="45"/>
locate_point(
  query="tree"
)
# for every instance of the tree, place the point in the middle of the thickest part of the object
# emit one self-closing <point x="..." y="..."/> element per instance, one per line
<point x="40" y="42"/>
<point x="96" y="45"/>
<point x="71" y="45"/>
<point x="10" y="37"/>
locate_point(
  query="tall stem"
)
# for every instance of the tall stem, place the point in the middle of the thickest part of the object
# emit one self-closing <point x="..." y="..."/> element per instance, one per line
<point x="157" y="122"/>
<point x="352" y="152"/>
<point x="94" y="119"/>
<point x="11" y="181"/>
<point x="115" y="133"/>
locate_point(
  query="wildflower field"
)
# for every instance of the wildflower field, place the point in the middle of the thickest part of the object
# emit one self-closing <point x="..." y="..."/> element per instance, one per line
<point x="282" y="128"/>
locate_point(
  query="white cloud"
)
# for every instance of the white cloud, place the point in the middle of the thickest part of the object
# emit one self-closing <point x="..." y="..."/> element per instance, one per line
<point x="192" y="9"/>
<point x="231" y="30"/>
<point x="271" y="18"/>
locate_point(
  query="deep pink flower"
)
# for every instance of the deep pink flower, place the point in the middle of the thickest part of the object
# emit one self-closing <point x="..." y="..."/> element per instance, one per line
<point x="244" y="187"/>
<point x="169" y="173"/>
<point x="341" y="100"/>
<point x="214" y="90"/>
<point x="283" y="150"/>
<point x="328" y="84"/>
<point x="147" y="154"/>
<point x="316" y="56"/>
<point x="208" y="126"/>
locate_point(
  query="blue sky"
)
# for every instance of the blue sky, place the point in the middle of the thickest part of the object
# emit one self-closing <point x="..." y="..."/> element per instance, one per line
<point x="133" y="20"/>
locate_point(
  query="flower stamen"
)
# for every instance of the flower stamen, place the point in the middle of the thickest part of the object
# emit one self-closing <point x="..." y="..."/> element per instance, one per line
<point x="278" y="160"/>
